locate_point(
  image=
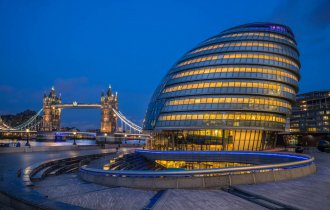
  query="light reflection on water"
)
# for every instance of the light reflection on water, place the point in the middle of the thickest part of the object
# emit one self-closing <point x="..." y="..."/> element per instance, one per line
<point x="34" y="143"/>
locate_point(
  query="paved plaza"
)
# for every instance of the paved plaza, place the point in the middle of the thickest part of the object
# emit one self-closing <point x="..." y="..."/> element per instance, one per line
<point x="311" y="192"/>
<point x="68" y="188"/>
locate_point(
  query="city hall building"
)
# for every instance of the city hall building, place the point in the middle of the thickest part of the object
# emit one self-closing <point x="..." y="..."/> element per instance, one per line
<point x="234" y="91"/>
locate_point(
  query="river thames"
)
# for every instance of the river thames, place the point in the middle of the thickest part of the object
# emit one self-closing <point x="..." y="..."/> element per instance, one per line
<point x="33" y="143"/>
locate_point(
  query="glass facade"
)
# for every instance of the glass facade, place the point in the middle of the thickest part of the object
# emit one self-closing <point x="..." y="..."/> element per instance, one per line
<point x="311" y="113"/>
<point x="233" y="91"/>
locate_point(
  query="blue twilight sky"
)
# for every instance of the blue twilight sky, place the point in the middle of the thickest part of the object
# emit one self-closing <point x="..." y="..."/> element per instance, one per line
<point x="82" y="46"/>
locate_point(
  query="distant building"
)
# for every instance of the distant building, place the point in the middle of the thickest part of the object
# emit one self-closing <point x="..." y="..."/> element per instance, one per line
<point x="311" y="113"/>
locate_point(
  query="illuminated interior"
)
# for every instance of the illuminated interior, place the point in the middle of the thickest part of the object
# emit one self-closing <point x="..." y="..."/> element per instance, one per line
<point x="223" y="116"/>
<point x="271" y="35"/>
<point x="271" y="86"/>
<point x="237" y="69"/>
<point x="187" y="165"/>
<point x="234" y="91"/>
<point x="213" y="140"/>
<point x="237" y="44"/>
<point x="239" y="56"/>
<point x="229" y="100"/>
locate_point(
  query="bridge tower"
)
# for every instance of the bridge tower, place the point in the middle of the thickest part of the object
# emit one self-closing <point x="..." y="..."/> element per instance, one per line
<point x="52" y="115"/>
<point x="109" y="101"/>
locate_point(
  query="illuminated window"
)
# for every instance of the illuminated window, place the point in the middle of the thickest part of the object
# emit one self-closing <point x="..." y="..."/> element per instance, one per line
<point x="238" y="55"/>
<point x="224" y="116"/>
<point x="257" y="34"/>
<point x="275" y="87"/>
<point x="237" y="44"/>
<point x="311" y="129"/>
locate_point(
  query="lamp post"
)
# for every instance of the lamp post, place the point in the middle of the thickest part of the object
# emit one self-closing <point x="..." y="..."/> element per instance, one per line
<point x="28" y="137"/>
<point x="105" y="138"/>
<point x="74" y="138"/>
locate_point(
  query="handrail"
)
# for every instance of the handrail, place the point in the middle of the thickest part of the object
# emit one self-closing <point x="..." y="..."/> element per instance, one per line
<point x="161" y="173"/>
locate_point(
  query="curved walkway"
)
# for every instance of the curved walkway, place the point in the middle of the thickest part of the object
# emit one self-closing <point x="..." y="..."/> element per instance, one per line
<point x="310" y="192"/>
<point x="267" y="167"/>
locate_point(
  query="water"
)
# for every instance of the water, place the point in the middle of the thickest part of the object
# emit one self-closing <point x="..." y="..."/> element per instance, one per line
<point x="133" y="141"/>
<point x="34" y="143"/>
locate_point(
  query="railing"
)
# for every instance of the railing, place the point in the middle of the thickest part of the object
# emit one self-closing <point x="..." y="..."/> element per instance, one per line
<point x="201" y="172"/>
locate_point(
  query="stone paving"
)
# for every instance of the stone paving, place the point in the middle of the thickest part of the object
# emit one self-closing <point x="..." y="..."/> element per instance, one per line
<point x="112" y="198"/>
<point x="311" y="192"/>
<point x="69" y="189"/>
<point x="202" y="199"/>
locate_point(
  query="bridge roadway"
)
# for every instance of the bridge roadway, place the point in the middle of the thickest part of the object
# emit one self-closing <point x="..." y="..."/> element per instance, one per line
<point x="77" y="105"/>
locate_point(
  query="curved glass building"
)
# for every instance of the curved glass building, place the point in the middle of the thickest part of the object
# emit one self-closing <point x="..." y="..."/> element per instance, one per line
<point x="233" y="91"/>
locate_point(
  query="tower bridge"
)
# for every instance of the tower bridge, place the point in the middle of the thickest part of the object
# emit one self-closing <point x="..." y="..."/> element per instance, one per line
<point x="52" y="108"/>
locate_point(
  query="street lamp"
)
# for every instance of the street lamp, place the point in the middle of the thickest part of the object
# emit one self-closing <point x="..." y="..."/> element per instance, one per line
<point x="105" y="137"/>
<point x="74" y="138"/>
<point x="28" y="136"/>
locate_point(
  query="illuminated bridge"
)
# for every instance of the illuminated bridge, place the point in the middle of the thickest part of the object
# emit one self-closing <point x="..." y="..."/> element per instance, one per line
<point x="48" y="118"/>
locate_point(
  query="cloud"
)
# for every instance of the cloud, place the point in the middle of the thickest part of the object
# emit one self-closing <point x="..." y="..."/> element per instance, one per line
<point x="78" y="89"/>
<point x="304" y="14"/>
<point x="69" y="85"/>
<point x="310" y="22"/>
<point x="5" y="89"/>
<point x="320" y="15"/>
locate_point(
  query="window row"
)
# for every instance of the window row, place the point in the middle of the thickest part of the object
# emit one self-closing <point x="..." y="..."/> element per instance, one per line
<point x="239" y="56"/>
<point x="287" y="52"/>
<point x="223" y="116"/>
<point x="226" y="106"/>
<point x="238" y="76"/>
<point x="237" y="61"/>
<point x="271" y="35"/>
<point x="261" y="56"/>
<point x="228" y="90"/>
<point x="252" y="100"/>
<point x="272" y="86"/>
<point x="271" y="125"/>
<point x="235" y="69"/>
<point x="237" y="44"/>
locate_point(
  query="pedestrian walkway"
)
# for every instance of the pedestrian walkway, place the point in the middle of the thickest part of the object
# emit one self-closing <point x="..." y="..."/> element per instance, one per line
<point x="311" y="192"/>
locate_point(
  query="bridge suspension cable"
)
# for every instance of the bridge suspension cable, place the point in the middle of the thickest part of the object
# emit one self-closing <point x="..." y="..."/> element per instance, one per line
<point x="3" y="125"/>
<point x="28" y="122"/>
<point x="32" y="122"/>
<point x="127" y="122"/>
